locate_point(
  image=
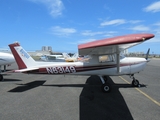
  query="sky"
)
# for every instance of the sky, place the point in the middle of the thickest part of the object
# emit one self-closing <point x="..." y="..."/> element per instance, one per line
<point x="63" y="24"/>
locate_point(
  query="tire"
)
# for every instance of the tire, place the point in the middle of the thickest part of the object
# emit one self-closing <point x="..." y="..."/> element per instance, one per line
<point x="135" y="83"/>
<point x="106" y="88"/>
<point x="1" y="77"/>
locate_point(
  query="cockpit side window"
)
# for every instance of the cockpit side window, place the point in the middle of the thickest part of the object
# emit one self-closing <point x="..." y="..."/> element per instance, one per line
<point x="106" y="58"/>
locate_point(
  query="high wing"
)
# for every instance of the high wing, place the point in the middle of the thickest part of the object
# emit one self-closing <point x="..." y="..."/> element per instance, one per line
<point x="112" y="45"/>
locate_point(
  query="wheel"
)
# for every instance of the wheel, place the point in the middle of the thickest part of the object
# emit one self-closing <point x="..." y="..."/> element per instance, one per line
<point x="106" y="88"/>
<point x="135" y="83"/>
<point x="1" y="77"/>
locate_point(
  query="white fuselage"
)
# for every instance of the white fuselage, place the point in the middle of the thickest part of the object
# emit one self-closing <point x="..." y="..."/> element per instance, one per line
<point x="128" y="66"/>
<point x="6" y="59"/>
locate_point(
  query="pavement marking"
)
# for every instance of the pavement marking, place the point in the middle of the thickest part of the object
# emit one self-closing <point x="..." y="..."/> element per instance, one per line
<point x="150" y="98"/>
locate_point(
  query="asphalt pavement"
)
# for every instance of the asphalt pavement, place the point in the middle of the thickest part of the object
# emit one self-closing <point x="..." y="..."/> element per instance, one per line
<point x="60" y="97"/>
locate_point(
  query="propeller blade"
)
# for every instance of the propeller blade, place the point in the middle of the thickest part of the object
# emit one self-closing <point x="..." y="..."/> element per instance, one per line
<point x="147" y="54"/>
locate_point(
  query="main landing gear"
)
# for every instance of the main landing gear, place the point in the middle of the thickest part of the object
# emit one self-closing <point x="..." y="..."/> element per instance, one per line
<point x="106" y="87"/>
<point x="1" y="77"/>
<point x="135" y="82"/>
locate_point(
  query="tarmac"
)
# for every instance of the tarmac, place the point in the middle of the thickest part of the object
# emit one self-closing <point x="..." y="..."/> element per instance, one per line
<point x="59" y="97"/>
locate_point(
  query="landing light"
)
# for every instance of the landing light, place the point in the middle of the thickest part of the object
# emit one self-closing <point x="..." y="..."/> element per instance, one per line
<point x="143" y="38"/>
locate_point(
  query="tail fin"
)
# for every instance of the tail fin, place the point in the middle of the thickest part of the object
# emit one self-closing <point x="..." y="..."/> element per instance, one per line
<point x="23" y="59"/>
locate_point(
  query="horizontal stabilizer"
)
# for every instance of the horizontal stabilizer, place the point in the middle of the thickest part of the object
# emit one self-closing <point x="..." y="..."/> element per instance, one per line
<point x="25" y="70"/>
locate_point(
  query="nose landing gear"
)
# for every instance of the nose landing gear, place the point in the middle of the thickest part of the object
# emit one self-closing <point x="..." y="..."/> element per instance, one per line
<point x="135" y="82"/>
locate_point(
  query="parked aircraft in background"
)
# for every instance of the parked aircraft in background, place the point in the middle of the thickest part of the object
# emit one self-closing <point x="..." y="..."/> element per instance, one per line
<point x="114" y="65"/>
<point x="6" y="59"/>
<point x="73" y="58"/>
<point x="52" y="58"/>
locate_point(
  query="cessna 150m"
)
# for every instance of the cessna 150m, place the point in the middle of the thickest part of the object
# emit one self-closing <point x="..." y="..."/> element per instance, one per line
<point x="115" y="64"/>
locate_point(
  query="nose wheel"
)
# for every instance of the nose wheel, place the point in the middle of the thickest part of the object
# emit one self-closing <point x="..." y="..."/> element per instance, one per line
<point x="135" y="82"/>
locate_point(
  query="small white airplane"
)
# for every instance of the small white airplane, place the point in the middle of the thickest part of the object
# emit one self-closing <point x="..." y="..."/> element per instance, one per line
<point x="114" y="65"/>
<point x="52" y="57"/>
<point x="68" y="58"/>
<point x="6" y="59"/>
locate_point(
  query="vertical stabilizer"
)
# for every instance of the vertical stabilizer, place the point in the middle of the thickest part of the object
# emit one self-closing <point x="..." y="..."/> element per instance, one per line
<point x="23" y="59"/>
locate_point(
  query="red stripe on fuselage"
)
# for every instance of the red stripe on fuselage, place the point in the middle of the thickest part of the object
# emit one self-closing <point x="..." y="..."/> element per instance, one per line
<point x="62" y="69"/>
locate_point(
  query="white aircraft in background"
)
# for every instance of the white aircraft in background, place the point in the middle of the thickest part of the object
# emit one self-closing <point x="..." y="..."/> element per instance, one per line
<point x="68" y="58"/>
<point x="115" y="64"/>
<point x="6" y="59"/>
<point x="52" y="57"/>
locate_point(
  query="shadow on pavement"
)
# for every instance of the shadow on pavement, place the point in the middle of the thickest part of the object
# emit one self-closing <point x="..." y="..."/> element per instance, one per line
<point x="95" y="105"/>
<point x="66" y="85"/>
<point x="27" y="86"/>
<point x="10" y="80"/>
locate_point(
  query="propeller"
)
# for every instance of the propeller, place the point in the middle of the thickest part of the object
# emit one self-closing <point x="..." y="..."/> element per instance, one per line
<point x="147" y="54"/>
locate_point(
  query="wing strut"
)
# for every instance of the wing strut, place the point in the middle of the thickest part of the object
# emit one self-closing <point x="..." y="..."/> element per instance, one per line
<point x="118" y="59"/>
